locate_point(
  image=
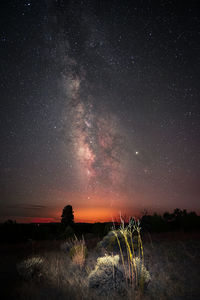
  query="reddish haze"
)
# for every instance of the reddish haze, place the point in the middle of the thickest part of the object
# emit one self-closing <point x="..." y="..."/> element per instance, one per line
<point x="92" y="215"/>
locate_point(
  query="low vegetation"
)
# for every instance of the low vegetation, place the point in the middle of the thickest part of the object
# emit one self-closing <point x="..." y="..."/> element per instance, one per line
<point x="31" y="267"/>
<point x="107" y="261"/>
<point x="78" y="252"/>
<point x="153" y="269"/>
<point x="107" y="277"/>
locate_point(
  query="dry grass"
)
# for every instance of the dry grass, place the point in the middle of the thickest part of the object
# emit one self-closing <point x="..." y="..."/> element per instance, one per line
<point x="175" y="269"/>
<point x="78" y="252"/>
<point x="133" y="263"/>
<point x="173" y="266"/>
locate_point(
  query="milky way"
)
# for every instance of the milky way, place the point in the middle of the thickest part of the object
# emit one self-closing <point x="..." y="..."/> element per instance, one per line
<point x="95" y="135"/>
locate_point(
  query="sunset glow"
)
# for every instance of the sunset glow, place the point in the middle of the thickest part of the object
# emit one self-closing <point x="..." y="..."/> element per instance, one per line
<point x="91" y="215"/>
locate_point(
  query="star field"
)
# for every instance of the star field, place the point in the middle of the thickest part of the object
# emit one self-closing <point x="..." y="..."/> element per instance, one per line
<point x="99" y="107"/>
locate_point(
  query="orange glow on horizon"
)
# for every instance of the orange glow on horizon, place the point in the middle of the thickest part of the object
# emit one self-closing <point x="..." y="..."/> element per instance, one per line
<point x="87" y="207"/>
<point x="92" y="215"/>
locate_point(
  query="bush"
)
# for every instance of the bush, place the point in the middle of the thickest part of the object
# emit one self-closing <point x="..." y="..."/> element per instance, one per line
<point x="78" y="252"/>
<point x="31" y="267"/>
<point x="142" y="273"/>
<point x="111" y="245"/>
<point x="107" y="277"/>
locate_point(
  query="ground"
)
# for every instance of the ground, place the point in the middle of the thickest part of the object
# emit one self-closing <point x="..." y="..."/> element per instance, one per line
<point x="173" y="260"/>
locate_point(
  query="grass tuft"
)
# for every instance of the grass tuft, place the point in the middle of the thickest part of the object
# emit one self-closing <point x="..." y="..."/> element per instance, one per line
<point x="31" y="267"/>
<point x="78" y="252"/>
<point x="133" y="260"/>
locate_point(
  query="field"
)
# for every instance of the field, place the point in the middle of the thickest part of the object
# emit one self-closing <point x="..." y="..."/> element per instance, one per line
<point x="172" y="259"/>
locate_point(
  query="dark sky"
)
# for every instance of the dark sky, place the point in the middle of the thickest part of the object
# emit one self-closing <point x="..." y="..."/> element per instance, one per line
<point x="100" y="107"/>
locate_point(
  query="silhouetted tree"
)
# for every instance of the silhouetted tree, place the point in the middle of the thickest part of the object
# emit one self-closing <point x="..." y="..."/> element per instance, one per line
<point x="67" y="216"/>
<point x="167" y="216"/>
<point x="177" y="213"/>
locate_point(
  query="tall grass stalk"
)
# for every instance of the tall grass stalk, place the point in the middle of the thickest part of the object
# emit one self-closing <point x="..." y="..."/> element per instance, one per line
<point x="132" y="274"/>
<point x="121" y="253"/>
<point x="141" y="283"/>
<point x="134" y="263"/>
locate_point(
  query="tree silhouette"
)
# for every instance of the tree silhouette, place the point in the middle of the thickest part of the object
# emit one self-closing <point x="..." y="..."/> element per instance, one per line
<point x="167" y="216"/>
<point x="67" y="217"/>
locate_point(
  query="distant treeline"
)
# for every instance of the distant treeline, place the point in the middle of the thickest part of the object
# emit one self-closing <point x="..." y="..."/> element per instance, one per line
<point x="11" y="231"/>
<point x="178" y="220"/>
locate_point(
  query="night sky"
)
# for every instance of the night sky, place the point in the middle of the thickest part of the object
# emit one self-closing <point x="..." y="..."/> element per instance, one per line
<point x="100" y="108"/>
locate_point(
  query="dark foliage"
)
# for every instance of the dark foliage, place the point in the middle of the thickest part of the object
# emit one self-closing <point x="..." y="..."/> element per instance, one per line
<point x="10" y="231"/>
<point x="178" y="220"/>
<point x="67" y="217"/>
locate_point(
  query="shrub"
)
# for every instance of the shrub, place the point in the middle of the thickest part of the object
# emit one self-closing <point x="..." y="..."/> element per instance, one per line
<point x="107" y="277"/>
<point x="110" y="243"/>
<point x="31" y="267"/>
<point x="78" y="252"/>
<point x="143" y="275"/>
